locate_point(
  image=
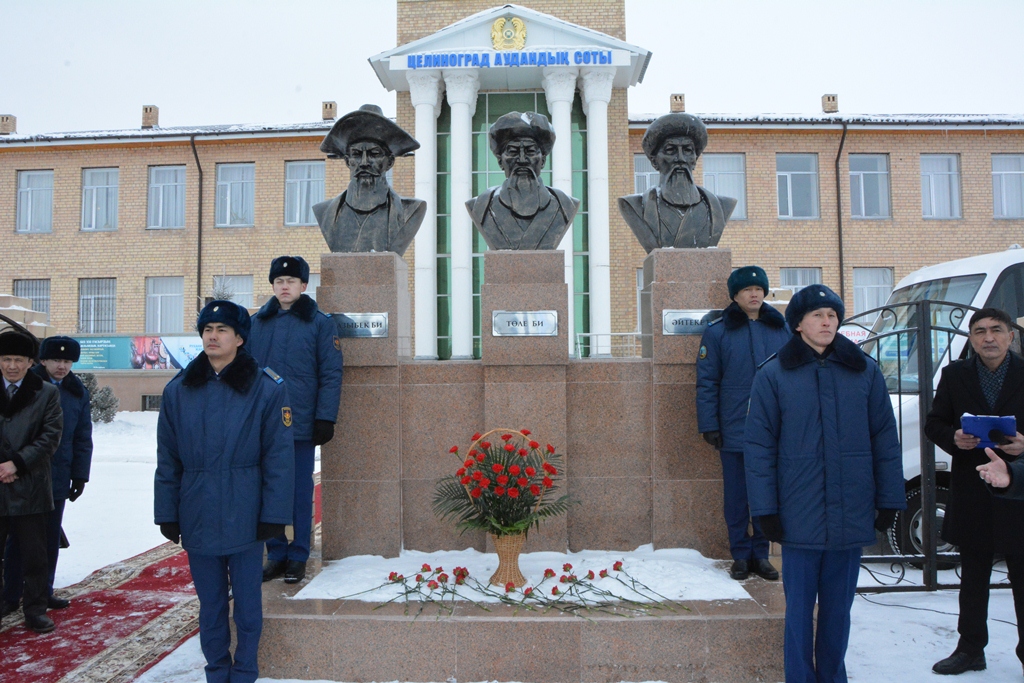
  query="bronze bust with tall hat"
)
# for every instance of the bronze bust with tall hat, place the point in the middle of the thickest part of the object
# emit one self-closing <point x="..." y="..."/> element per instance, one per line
<point x="369" y="215"/>
<point x="678" y="212"/>
<point x="522" y="213"/>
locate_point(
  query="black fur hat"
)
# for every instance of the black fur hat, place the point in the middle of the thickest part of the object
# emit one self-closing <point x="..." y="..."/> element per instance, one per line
<point x="289" y="266"/>
<point x="227" y="312"/>
<point x="17" y="344"/>
<point x="747" y="276"/>
<point x="60" y="348"/>
<point x="811" y="298"/>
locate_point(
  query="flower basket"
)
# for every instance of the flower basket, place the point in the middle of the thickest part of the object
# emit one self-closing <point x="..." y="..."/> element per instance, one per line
<point x="508" y="549"/>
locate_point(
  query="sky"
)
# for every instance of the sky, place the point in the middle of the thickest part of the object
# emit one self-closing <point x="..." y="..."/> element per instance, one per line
<point x="92" y="64"/>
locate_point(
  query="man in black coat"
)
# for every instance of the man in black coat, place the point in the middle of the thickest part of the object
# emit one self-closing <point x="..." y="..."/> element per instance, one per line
<point x="989" y="383"/>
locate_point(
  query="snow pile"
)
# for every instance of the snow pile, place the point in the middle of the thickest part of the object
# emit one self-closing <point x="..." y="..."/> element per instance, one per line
<point x="131" y="437"/>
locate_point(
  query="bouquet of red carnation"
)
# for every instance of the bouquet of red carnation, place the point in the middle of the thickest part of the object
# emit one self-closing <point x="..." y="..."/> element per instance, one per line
<point x="504" y="486"/>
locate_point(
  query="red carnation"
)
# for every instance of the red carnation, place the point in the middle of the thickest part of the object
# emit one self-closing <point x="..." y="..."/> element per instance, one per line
<point x="443" y="578"/>
<point x="510" y="447"/>
<point x="480" y="457"/>
<point x="475" y="436"/>
<point x="469" y="462"/>
<point x="392" y="576"/>
<point x="478" y="475"/>
<point x="453" y="449"/>
<point x="590" y="575"/>
<point x="502" y="479"/>
<point x="506" y="437"/>
<point x="433" y="585"/>
<point x="603" y="573"/>
<point x="459" y="472"/>
<point x="438" y="568"/>
<point x="548" y="573"/>
<point x="617" y="566"/>
<point x="485" y="444"/>
<point x="527" y="591"/>
<point x="566" y="567"/>
<point x="530" y="471"/>
<point x="459" y="581"/>
<point x="425" y="567"/>
<point x="499" y="491"/>
<point x="472" y="452"/>
<point x="465" y="480"/>
<point x="534" y="489"/>
<point x="522" y="482"/>
<point x="534" y="445"/>
<point x="497" y="467"/>
<point x="554" y="591"/>
<point x="509" y="587"/>
<point x="476" y="493"/>
<point x="547" y="482"/>
<point x="525" y="432"/>
<point x="551" y="449"/>
<point x="513" y="469"/>
<point x="513" y="493"/>
<point x="399" y="578"/>
<point x="419" y="578"/>
<point x="549" y="468"/>
<point x="563" y="579"/>
<point x="523" y="452"/>
<point x="485" y="482"/>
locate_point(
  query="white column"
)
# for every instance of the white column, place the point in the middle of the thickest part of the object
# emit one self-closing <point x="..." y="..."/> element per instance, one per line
<point x="462" y="87"/>
<point x="597" y="92"/>
<point x="560" y="89"/>
<point x="425" y="89"/>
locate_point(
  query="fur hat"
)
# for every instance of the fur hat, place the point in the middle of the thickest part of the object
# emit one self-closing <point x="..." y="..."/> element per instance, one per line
<point x="60" y="348"/>
<point x="367" y="123"/>
<point x="522" y="125"/>
<point x="674" y="125"/>
<point x="289" y="266"/>
<point x="747" y="276"/>
<point x="14" y="343"/>
<point x="811" y="298"/>
<point x="228" y="313"/>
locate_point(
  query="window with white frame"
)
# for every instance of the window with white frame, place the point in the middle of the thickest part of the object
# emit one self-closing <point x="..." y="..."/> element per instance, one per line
<point x="166" y="197"/>
<point x="797" y="176"/>
<point x="35" y="201"/>
<point x="796" y="279"/>
<point x="869" y="185"/>
<point x="871" y="288"/>
<point x="99" y="199"/>
<point x="314" y="284"/>
<point x="303" y="187"/>
<point x="1008" y="185"/>
<point x="36" y="291"/>
<point x="236" y="192"/>
<point x="726" y="176"/>
<point x="236" y="288"/>
<point x="940" y="186"/>
<point x="165" y="305"/>
<point x="645" y="176"/>
<point x="97" y="305"/>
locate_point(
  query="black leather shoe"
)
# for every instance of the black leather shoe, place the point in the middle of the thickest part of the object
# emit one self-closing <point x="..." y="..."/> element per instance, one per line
<point x="8" y="608"/>
<point x="740" y="570"/>
<point x="958" y="663"/>
<point x="273" y="569"/>
<point x="53" y="602"/>
<point x="295" y="571"/>
<point x="763" y="568"/>
<point x="40" y="623"/>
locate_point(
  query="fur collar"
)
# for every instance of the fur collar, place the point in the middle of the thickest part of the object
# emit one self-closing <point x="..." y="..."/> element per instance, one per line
<point x="734" y="317"/>
<point x="30" y="386"/>
<point x="796" y="352"/>
<point x="304" y="307"/>
<point x="240" y="375"/>
<point x="71" y="383"/>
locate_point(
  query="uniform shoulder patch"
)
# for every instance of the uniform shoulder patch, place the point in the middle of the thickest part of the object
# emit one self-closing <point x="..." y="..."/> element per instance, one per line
<point x="273" y="375"/>
<point x="762" y="363"/>
<point x="337" y="343"/>
<point x="715" y="321"/>
<point x="703" y="353"/>
<point x="286" y="416"/>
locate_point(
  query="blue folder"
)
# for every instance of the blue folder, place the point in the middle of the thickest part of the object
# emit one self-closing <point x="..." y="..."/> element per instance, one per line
<point x="981" y="425"/>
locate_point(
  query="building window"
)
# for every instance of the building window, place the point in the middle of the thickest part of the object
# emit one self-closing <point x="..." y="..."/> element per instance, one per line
<point x="314" y="284"/>
<point x="36" y="291"/>
<point x="940" y="186"/>
<point x="1008" y="185"/>
<point x="645" y="176"/>
<point x="165" y="305"/>
<point x="166" y="197"/>
<point x="726" y="176"/>
<point x="236" y="190"/>
<point x="797" y="176"/>
<point x="871" y="288"/>
<point x="97" y="305"/>
<point x="796" y="279"/>
<point x="869" y="185"/>
<point x="236" y="288"/>
<point x="303" y="187"/>
<point x="99" y="199"/>
<point x="35" y="201"/>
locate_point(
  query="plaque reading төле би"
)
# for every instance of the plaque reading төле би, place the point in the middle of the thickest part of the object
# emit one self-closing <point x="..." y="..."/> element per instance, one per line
<point x="361" y="325"/>
<point x="680" y="322"/>
<point x="524" y="323"/>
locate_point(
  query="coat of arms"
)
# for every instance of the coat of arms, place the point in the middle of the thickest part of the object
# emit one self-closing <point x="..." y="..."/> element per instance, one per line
<point x="508" y="34"/>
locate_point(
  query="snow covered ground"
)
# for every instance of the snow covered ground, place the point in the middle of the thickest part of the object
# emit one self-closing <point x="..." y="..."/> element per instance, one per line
<point x="895" y="637"/>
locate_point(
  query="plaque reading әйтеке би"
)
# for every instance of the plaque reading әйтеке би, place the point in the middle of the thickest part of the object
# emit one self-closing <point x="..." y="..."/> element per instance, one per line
<point x="680" y="322"/>
<point x="524" y="323"/>
<point x="361" y="324"/>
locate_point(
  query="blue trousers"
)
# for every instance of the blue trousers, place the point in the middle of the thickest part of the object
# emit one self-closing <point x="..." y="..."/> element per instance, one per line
<point x="828" y="577"/>
<point x="13" y="577"/>
<point x="279" y="548"/>
<point x="210" y="574"/>
<point x="737" y="512"/>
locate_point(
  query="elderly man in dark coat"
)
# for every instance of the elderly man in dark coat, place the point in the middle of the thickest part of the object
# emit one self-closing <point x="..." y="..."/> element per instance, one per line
<point x="989" y="383"/>
<point x="30" y="429"/>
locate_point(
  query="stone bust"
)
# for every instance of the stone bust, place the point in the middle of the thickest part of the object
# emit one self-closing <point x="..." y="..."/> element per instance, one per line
<point x="522" y="213"/>
<point x="369" y="215"/>
<point x="678" y="213"/>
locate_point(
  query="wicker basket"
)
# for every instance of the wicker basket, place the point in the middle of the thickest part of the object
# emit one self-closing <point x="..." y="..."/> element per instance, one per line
<point x="508" y="548"/>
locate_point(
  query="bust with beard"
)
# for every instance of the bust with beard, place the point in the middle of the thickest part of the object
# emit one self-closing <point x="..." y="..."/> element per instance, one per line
<point x="678" y="213"/>
<point x="369" y="215"/>
<point x="522" y="213"/>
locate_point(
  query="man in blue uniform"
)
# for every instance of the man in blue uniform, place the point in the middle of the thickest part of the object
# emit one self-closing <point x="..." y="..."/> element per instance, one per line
<point x="224" y="479"/>
<point x="69" y="469"/>
<point x="748" y="333"/>
<point x="291" y="335"/>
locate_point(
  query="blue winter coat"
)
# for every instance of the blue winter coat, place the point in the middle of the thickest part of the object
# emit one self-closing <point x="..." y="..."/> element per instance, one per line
<point x="225" y="455"/>
<point x="822" y="450"/>
<point x="301" y="345"/>
<point x="730" y="351"/>
<point x="73" y="458"/>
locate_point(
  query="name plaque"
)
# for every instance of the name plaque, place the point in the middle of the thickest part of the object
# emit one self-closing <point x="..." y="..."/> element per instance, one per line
<point x="361" y="325"/>
<point x="524" y="324"/>
<point x="683" y="322"/>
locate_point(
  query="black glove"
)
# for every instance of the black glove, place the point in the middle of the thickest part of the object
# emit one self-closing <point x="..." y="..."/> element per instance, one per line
<point x="713" y="438"/>
<point x="171" y="531"/>
<point x="884" y="519"/>
<point x="265" y="531"/>
<point x="77" y="489"/>
<point x="323" y="431"/>
<point x="771" y="527"/>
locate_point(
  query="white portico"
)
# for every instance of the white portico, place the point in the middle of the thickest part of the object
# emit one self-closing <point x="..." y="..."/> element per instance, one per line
<point x="459" y="80"/>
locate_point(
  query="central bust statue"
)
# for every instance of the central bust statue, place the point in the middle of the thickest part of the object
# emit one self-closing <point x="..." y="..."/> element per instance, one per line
<point x="522" y="213"/>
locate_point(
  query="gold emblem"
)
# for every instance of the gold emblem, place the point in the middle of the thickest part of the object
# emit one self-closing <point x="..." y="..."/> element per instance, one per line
<point x="337" y="343"/>
<point x="703" y="352"/>
<point x="286" y="416"/>
<point x="508" y="34"/>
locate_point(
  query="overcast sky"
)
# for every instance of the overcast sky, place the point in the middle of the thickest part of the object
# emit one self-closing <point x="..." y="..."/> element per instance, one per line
<point x="92" y="64"/>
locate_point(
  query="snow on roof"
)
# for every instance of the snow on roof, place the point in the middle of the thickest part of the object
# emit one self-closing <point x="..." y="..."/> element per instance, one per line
<point x="849" y="119"/>
<point x="156" y="133"/>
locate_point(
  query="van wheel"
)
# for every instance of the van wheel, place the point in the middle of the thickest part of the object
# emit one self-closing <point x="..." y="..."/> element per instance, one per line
<point x="906" y="536"/>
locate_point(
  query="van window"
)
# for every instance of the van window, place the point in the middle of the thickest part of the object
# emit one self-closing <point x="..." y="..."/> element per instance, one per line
<point x="1008" y="292"/>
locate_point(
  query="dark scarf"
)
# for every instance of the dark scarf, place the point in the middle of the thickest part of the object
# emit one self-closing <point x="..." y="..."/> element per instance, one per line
<point x="796" y="352"/>
<point x="304" y="307"/>
<point x="734" y="317"/>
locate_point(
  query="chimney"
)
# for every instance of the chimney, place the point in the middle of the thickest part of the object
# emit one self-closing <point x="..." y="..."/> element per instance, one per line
<point x="330" y="111"/>
<point x="677" y="103"/>
<point x="830" y="104"/>
<point x="150" y="116"/>
<point x="8" y="124"/>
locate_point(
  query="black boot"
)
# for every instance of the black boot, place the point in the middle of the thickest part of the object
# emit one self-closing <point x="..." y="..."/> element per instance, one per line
<point x="40" y="623"/>
<point x="959" y="662"/>
<point x="295" y="571"/>
<point x="273" y="569"/>
<point x="763" y="568"/>
<point x="740" y="570"/>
